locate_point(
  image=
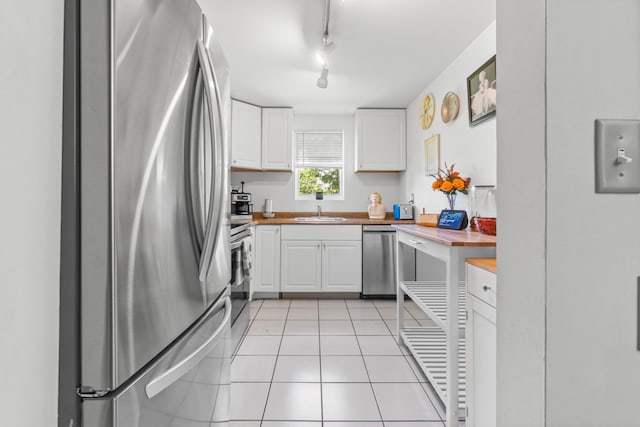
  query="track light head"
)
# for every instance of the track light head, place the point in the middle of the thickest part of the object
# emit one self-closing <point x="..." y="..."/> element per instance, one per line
<point x="323" y="81"/>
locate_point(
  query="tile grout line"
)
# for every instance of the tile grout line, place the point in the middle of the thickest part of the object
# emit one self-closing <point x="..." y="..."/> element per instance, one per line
<point x="366" y="368"/>
<point x="246" y="332"/>
<point x="244" y="337"/>
<point x="264" y="411"/>
<point x="320" y="365"/>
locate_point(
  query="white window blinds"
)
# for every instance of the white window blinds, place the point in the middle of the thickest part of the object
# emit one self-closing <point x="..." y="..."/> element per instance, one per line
<point x="319" y="150"/>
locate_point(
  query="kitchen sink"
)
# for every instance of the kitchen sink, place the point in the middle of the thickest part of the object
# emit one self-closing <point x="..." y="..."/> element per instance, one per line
<point x="319" y="219"/>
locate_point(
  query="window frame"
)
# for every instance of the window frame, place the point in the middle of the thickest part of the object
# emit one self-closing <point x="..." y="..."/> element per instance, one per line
<point x="297" y="169"/>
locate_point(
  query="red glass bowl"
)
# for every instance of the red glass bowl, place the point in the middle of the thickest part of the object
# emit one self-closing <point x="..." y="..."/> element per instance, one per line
<point x="486" y="225"/>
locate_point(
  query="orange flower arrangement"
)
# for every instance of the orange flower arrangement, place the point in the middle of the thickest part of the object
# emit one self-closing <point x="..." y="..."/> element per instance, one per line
<point x="450" y="183"/>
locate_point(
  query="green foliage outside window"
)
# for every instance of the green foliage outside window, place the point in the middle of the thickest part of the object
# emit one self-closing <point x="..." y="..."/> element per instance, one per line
<point x="316" y="179"/>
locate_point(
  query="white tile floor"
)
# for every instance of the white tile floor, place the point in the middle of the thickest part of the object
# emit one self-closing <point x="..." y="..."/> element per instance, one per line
<point x="331" y="363"/>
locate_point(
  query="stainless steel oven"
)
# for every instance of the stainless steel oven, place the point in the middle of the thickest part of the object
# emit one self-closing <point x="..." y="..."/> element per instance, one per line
<point x="241" y="260"/>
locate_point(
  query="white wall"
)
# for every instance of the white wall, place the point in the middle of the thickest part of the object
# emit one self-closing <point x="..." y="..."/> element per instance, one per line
<point x="564" y="269"/>
<point x="593" y="261"/>
<point x="30" y="155"/>
<point x="472" y="149"/>
<point x="521" y="219"/>
<point x="280" y="186"/>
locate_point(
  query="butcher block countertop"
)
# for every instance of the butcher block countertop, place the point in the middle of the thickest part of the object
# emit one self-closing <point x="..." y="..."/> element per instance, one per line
<point x="488" y="264"/>
<point x="353" y="218"/>
<point x="448" y="237"/>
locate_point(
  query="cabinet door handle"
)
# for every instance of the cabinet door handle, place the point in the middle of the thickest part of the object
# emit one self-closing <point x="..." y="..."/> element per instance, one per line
<point x="415" y="242"/>
<point x="485" y="287"/>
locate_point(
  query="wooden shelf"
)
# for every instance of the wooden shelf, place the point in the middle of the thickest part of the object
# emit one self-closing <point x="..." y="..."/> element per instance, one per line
<point x="432" y="299"/>
<point x="428" y="345"/>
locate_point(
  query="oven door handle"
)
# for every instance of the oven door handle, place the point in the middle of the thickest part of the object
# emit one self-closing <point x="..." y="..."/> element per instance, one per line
<point x="239" y="239"/>
<point x="236" y="245"/>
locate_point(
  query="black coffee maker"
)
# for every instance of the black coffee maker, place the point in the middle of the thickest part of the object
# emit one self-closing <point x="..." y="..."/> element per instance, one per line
<point x="241" y="202"/>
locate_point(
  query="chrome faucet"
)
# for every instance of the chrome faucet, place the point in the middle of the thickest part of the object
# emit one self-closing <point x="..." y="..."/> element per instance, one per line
<point x="319" y="211"/>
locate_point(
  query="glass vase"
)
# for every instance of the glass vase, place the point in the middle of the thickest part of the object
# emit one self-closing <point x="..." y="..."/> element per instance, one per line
<point x="451" y="198"/>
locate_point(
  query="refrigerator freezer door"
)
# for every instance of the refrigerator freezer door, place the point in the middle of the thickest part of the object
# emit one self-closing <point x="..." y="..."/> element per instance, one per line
<point x="189" y="385"/>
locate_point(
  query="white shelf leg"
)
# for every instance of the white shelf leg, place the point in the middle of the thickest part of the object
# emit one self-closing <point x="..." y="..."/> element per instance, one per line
<point x="453" y="280"/>
<point x="399" y="292"/>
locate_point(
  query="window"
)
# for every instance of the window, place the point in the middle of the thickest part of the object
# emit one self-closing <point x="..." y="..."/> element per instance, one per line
<point x="319" y="165"/>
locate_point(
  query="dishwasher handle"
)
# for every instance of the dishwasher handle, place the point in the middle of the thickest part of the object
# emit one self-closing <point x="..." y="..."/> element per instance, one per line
<point x="378" y="228"/>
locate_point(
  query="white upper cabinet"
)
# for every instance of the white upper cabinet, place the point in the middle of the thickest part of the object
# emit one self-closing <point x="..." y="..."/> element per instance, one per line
<point x="277" y="138"/>
<point x="381" y="140"/>
<point x="246" y="135"/>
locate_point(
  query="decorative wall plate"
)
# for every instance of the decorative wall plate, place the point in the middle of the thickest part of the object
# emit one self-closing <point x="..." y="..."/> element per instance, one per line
<point x="450" y="107"/>
<point x="427" y="111"/>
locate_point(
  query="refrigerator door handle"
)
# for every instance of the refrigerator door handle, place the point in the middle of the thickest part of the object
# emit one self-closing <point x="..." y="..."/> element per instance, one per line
<point x="192" y="168"/>
<point x="215" y="203"/>
<point x="170" y="376"/>
<point x="218" y="148"/>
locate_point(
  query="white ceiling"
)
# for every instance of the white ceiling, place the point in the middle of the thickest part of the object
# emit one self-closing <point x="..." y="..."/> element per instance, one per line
<point x="387" y="50"/>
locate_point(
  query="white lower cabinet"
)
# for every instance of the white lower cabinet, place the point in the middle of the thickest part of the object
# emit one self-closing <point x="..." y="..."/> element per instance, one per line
<point x="481" y="347"/>
<point x="321" y="258"/>
<point x="342" y="266"/>
<point x="301" y="263"/>
<point x="267" y="259"/>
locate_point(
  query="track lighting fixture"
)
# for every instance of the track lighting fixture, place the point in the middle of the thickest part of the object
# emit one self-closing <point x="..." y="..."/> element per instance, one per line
<point x="322" y="81"/>
<point x="322" y="55"/>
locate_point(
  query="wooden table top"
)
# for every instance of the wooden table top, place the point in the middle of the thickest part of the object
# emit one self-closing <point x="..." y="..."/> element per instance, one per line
<point x="448" y="237"/>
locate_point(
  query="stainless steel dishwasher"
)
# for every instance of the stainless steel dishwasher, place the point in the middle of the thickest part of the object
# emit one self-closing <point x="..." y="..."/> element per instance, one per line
<point x="379" y="261"/>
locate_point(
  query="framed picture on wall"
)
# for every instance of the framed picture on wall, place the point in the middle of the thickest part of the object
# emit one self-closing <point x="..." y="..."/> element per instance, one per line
<point x="432" y="155"/>
<point x="481" y="92"/>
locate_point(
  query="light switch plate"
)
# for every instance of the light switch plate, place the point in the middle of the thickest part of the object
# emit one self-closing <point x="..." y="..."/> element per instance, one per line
<point x="615" y="138"/>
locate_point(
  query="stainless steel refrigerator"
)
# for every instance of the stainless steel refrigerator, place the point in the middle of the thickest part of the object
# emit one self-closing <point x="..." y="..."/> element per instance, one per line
<point x="145" y="310"/>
